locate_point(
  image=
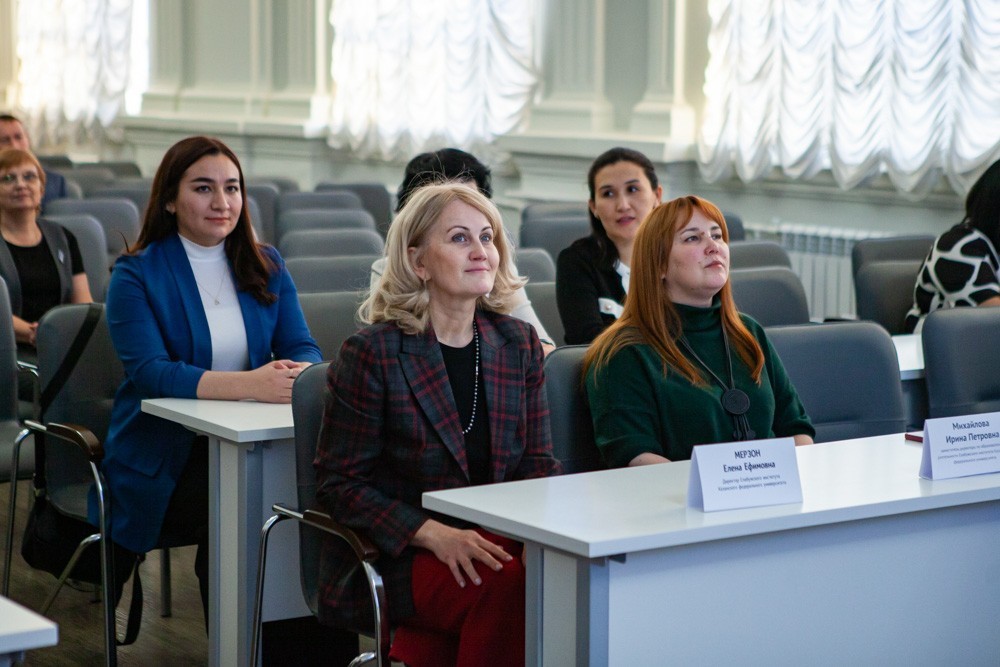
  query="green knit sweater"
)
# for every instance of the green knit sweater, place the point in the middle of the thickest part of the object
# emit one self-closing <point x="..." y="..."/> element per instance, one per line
<point x="636" y="409"/>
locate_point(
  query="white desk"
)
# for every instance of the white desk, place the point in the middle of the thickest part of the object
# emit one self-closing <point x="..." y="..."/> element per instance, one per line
<point x="910" y="353"/>
<point x="22" y="630"/>
<point x="875" y="566"/>
<point x="251" y="467"/>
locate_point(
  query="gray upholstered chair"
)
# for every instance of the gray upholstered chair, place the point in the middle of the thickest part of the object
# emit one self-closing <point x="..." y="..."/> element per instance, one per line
<point x="120" y="168"/>
<point x="330" y="243"/>
<point x="119" y="217"/>
<point x="569" y="411"/>
<point x="11" y="428"/>
<point x="889" y="249"/>
<point x="535" y="264"/>
<point x="734" y="223"/>
<point x="846" y="374"/>
<point x="543" y="301"/>
<point x="332" y="218"/>
<point x="308" y="396"/>
<point x="331" y="274"/>
<point x="757" y="254"/>
<point x="290" y="201"/>
<point x="93" y="245"/>
<point x="374" y="197"/>
<point x="282" y="183"/>
<point x="884" y="292"/>
<point x="137" y="193"/>
<point x="266" y="196"/>
<point x="89" y="177"/>
<point x="771" y="295"/>
<point x="331" y="317"/>
<point x="961" y="364"/>
<point x="553" y="225"/>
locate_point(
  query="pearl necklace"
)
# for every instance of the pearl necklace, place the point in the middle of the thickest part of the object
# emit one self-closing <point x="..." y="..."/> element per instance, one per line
<point x="475" y="390"/>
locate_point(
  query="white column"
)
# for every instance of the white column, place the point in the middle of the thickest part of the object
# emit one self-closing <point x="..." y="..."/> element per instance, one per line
<point x="8" y="54"/>
<point x="663" y="110"/>
<point x="252" y="72"/>
<point x="573" y="68"/>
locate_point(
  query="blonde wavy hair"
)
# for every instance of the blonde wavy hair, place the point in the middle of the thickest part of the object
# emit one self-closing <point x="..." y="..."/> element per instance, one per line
<point x="650" y="317"/>
<point x="400" y="296"/>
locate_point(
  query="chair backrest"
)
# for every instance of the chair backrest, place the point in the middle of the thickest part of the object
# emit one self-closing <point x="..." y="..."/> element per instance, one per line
<point x="119" y="217"/>
<point x="734" y="223"/>
<point x="889" y="249"/>
<point x="543" y="301"/>
<point x="266" y="196"/>
<point x="330" y="243"/>
<point x="771" y="295"/>
<point x="120" y="168"/>
<point x="569" y="411"/>
<point x="553" y="234"/>
<point x="334" y="218"/>
<point x="547" y="210"/>
<point x="756" y="254"/>
<point x="884" y="292"/>
<point x="291" y="201"/>
<point x="535" y="264"/>
<point x="138" y="194"/>
<point x="93" y="249"/>
<point x="282" y="183"/>
<point x="90" y="177"/>
<point x="374" y="196"/>
<point x="56" y="162"/>
<point x="308" y="399"/>
<point x="847" y="376"/>
<point x="9" y="407"/>
<point x="331" y="274"/>
<point x="86" y="398"/>
<point x="331" y="317"/>
<point x="961" y="364"/>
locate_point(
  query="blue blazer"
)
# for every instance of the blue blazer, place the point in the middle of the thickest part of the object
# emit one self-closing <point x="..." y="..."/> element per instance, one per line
<point x="161" y="335"/>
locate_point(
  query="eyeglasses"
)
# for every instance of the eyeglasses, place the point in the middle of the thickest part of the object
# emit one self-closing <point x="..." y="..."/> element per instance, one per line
<point x="28" y="177"/>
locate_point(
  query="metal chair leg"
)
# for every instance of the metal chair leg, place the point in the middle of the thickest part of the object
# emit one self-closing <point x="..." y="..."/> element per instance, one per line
<point x="258" y="603"/>
<point x="14" y="466"/>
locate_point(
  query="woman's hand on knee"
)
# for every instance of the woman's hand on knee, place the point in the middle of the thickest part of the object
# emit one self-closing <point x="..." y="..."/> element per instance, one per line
<point x="458" y="549"/>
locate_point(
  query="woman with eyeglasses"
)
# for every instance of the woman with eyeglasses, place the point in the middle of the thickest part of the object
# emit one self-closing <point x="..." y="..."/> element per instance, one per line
<point x="39" y="260"/>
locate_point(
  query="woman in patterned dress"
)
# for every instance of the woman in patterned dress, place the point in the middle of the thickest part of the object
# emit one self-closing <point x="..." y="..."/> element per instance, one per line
<point x="963" y="265"/>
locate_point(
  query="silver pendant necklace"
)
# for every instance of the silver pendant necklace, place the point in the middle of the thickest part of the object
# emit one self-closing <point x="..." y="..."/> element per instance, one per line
<point x="475" y="390"/>
<point x="218" y="292"/>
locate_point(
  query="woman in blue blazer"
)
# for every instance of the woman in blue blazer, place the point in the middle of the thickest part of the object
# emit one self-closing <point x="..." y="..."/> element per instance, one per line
<point x="198" y="309"/>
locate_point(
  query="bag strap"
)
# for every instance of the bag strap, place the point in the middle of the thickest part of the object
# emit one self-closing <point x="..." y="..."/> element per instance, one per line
<point x="73" y="355"/>
<point x="134" y="607"/>
<point x="58" y="381"/>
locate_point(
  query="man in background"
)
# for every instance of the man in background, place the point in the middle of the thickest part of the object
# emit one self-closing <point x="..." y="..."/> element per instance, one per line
<point x="13" y="135"/>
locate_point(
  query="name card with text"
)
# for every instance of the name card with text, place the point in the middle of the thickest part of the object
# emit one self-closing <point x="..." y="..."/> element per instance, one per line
<point x="961" y="446"/>
<point x="735" y="475"/>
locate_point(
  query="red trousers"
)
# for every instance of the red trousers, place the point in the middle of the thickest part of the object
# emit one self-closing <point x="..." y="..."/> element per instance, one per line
<point x="471" y="626"/>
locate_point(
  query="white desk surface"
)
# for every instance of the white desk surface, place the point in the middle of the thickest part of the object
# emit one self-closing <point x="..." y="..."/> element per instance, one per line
<point x="910" y="352"/>
<point x="237" y="421"/>
<point x="22" y="629"/>
<point x="634" y="509"/>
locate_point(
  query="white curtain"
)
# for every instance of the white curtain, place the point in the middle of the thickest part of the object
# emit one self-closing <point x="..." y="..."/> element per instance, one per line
<point x="412" y="75"/>
<point x="74" y="66"/>
<point x="908" y="87"/>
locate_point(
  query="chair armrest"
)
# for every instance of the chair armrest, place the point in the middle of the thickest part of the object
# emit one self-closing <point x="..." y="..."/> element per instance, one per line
<point x="27" y="367"/>
<point x="364" y="548"/>
<point x="81" y="436"/>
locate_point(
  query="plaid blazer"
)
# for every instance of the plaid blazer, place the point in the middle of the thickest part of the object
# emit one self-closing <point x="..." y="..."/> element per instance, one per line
<point x="391" y="432"/>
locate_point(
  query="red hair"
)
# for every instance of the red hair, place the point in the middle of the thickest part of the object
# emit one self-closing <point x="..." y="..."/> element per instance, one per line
<point x="650" y="317"/>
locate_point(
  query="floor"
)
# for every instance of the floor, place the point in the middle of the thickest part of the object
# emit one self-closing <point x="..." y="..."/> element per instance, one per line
<point x="177" y="640"/>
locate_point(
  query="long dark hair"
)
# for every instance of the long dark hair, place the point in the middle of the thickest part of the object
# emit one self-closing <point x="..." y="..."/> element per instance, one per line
<point x="982" y="205"/>
<point x="609" y="253"/>
<point x="251" y="266"/>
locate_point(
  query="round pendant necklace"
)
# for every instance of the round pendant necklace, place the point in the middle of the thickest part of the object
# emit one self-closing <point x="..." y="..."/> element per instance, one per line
<point x="734" y="401"/>
<point x="475" y="390"/>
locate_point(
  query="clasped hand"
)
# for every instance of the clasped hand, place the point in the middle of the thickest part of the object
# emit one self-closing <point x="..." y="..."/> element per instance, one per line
<point x="273" y="382"/>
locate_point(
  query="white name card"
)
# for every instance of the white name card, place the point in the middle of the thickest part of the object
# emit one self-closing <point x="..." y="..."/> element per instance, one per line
<point x="961" y="446"/>
<point x="735" y="475"/>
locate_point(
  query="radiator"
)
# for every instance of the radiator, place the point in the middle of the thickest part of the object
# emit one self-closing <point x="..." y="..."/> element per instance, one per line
<point x="821" y="256"/>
